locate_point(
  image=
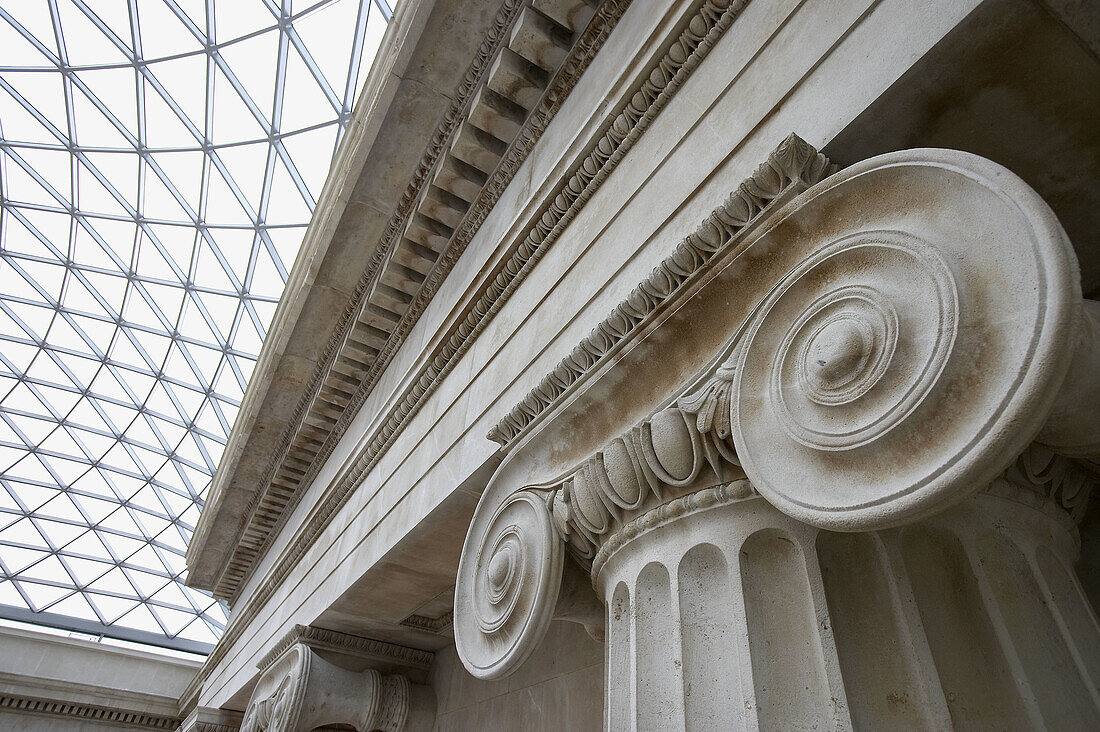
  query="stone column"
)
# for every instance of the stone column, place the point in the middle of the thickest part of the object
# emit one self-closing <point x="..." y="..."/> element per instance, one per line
<point x="860" y="514"/>
<point x="723" y="613"/>
<point x="300" y="691"/>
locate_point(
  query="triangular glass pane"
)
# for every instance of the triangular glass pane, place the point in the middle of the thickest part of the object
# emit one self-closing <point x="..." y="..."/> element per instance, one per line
<point x="58" y="532"/>
<point x="16" y="559"/>
<point x="120" y="170"/>
<point x="88" y="545"/>
<point x="112" y="608"/>
<point x="75" y="606"/>
<point x="84" y="570"/>
<point x="115" y="15"/>
<point x="18" y="51"/>
<point x="141" y="619"/>
<point x="311" y="152"/>
<point x="92" y="195"/>
<point x="23" y="533"/>
<point x="198" y="631"/>
<point x="332" y="52"/>
<point x="233" y="121"/>
<point x="162" y="33"/>
<point x="310" y="106"/>
<point x="85" y="43"/>
<point x="42" y="596"/>
<point x="246" y="165"/>
<point x="173" y="620"/>
<point x="287" y="206"/>
<point x="240" y="19"/>
<point x="184" y="79"/>
<point x="222" y="206"/>
<point x="43" y="91"/>
<point x="10" y="596"/>
<point x="184" y="170"/>
<point x="160" y="204"/>
<point x="19" y="124"/>
<point x="48" y="569"/>
<point x="24" y="188"/>
<point x="93" y="127"/>
<point x="122" y="546"/>
<point x="254" y="62"/>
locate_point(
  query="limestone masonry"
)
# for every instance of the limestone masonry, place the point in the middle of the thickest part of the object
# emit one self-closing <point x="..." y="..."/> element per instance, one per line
<point x="668" y="365"/>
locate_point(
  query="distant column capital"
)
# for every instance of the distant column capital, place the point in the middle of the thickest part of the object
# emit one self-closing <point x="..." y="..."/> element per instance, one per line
<point x="301" y="691"/>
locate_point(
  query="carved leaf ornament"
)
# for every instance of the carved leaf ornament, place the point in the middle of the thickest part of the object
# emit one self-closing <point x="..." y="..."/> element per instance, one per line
<point x="912" y="322"/>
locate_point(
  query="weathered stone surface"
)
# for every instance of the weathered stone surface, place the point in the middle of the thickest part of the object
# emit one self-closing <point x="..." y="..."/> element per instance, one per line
<point x="876" y="373"/>
<point x="676" y="109"/>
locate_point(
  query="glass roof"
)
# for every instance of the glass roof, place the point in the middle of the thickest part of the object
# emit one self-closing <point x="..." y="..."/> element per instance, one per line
<point x="159" y="162"/>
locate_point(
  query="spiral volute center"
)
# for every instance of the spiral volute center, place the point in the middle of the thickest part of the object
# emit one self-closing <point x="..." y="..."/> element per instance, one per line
<point x="836" y="353"/>
<point x="500" y="568"/>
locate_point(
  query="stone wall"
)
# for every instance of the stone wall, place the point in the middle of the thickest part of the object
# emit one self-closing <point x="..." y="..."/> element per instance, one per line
<point x="559" y="688"/>
<point x="55" y="683"/>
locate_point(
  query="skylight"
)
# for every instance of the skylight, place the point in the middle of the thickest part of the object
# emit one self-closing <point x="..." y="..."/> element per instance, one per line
<point x="159" y="162"/>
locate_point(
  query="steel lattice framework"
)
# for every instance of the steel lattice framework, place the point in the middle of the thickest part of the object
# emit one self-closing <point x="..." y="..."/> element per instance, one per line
<point x="159" y="161"/>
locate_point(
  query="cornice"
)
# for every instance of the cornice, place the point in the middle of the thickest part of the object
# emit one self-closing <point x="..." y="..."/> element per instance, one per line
<point x="331" y="640"/>
<point x="87" y="712"/>
<point x="703" y="27"/>
<point x="621" y="131"/>
<point x="239" y="566"/>
<point x="302" y="450"/>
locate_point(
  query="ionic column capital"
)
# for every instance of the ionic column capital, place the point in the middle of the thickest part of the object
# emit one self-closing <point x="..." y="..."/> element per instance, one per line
<point x="300" y="690"/>
<point x="894" y="338"/>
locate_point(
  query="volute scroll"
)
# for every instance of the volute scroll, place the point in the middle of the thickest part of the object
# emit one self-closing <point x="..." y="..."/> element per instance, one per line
<point x="509" y="579"/>
<point x="873" y="348"/>
<point x="915" y="346"/>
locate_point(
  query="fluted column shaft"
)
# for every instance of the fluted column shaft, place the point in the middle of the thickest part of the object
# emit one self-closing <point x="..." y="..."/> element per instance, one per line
<point x="723" y="613"/>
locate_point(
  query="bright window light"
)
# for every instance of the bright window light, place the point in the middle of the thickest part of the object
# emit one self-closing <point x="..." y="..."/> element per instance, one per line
<point x="159" y="163"/>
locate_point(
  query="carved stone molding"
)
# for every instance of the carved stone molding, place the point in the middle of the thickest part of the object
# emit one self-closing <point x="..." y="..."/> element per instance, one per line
<point x="791" y="168"/>
<point x="301" y="691"/>
<point x="206" y="719"/>
<point x="87" y="713"/>
<point x="710" y="20"/>
<point x="376" y="651"/>
<point x="1055" y="479"/>
<point x="475" y="151"/>
<point x="908" y="327"/>
<point x="441" y="625"/>
<point x="674" y="510"/>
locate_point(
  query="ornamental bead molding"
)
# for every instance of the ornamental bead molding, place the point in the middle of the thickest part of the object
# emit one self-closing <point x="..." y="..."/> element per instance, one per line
<point x="681" y="458"/>
<point x="302" y="691"/>
<point x="793" y="166"/>
<point x="910" y="326"/>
